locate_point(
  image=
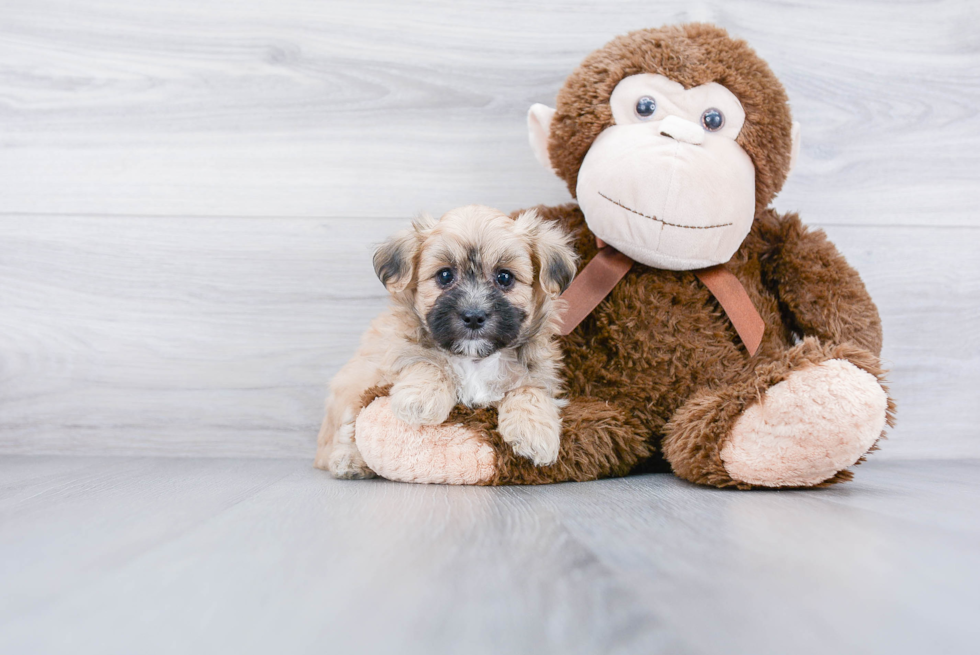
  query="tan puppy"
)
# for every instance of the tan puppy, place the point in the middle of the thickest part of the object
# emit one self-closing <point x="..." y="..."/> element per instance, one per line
<point x="472" y="321"/>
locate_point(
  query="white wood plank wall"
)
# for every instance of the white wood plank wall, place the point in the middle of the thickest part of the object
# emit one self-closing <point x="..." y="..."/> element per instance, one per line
<point x="189" y="192"/>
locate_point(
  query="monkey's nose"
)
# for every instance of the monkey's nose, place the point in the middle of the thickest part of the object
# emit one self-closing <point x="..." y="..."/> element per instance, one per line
<point x="474" y="319"/>
<point x="682" y="130"/>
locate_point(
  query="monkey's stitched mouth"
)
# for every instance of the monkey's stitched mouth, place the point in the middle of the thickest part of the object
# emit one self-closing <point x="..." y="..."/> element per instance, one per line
<point x="660" y="220"/>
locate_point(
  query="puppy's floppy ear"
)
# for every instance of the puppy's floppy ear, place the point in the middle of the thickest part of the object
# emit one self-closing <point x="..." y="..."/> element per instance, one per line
<point x="552" y="248"/>
<point x="394" y="260"/>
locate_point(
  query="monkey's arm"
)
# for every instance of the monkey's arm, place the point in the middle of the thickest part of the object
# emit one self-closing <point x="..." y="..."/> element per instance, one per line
<point x="597" y="441"/>
<point x="820" y="293"/>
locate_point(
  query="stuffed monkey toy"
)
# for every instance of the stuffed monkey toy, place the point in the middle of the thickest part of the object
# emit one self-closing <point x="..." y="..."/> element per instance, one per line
<point x="709" y="334"/>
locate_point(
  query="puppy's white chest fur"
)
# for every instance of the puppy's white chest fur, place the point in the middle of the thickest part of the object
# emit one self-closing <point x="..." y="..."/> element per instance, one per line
<point x="482" y="382"/>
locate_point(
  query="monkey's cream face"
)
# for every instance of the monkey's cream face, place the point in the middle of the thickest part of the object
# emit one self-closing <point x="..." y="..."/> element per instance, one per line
<point x="667" y="184"/>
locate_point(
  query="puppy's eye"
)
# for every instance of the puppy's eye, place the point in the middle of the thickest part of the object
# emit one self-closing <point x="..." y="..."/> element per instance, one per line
<point x="505" y="279"/>
<point x="712" y="119"/>
<point x="645" y="107"/>
<point x="445" y="277"/>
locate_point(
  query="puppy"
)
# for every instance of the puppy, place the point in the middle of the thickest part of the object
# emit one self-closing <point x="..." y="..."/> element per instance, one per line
<point x="473" y="318"/>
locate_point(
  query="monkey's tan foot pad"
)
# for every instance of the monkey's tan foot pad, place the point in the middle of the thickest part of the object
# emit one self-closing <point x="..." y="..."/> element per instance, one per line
<point x="439" y="454"/>
<point x="818" y="421"/>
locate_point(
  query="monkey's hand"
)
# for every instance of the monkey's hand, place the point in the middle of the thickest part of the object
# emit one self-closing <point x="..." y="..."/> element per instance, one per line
<point x="529" y="420"/>
<point x="435" y="454"/>
<point x="422" y="396"/>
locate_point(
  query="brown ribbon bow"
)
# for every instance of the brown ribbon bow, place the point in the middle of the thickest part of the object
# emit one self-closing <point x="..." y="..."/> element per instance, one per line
<point x="609" y="266"/>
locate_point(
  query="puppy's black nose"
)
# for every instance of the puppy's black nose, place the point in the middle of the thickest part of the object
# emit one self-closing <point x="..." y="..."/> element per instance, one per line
<point x="474" y="318"/>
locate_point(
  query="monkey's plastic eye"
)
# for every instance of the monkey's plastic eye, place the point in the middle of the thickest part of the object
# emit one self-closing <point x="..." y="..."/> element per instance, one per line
<point x="712" y="120"/>
<point x="505" y="279"/>
<point x="445" y="277"/>
<point x="645" y="107"/>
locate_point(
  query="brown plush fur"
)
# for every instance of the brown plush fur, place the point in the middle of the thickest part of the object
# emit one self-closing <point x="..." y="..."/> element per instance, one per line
<point x="657" y="370"/>
<point x="598" y="441"/>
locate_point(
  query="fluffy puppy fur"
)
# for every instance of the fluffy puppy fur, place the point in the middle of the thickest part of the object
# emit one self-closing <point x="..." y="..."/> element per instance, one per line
<point x="473" y="318"/>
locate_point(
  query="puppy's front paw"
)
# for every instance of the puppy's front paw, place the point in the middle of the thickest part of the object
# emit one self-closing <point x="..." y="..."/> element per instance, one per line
<point x="418" y="404"/>
<point x="529" y="421"/>
<point x="539" y="443"/>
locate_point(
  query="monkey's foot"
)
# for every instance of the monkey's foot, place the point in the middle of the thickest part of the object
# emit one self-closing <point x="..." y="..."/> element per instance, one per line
<point x="817" y="422"/>
<point x="435" y="454"/>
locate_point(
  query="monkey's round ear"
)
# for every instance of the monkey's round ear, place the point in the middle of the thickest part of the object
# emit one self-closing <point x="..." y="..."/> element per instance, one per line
<point x="794" y="153"/>
<point x="538" y="130"/>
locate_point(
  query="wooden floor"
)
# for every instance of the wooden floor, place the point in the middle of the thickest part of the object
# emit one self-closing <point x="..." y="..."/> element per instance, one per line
<point x="155" y="555"/>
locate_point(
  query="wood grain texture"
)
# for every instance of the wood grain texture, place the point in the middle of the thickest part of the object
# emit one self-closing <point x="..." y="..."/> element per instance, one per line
<point x="157" y="555"/>
<point x="183" y="336"/>
<point x="307" y="108"/>
<point x="206" y="336"/>
<point x="152" y="300"/>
